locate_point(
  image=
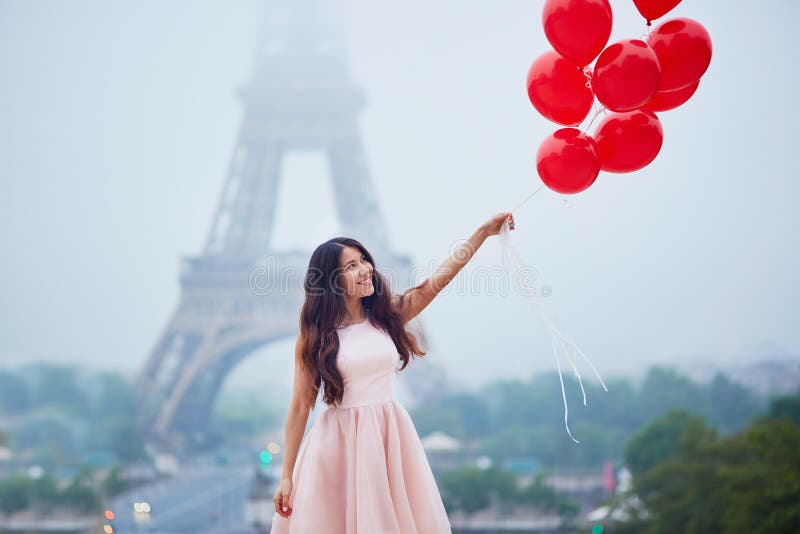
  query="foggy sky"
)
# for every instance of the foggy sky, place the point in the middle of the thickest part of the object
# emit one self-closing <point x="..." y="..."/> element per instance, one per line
<point x="119" y="118"/>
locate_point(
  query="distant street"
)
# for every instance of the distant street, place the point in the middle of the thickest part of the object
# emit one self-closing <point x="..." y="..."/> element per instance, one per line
<point x="199" y="499"/>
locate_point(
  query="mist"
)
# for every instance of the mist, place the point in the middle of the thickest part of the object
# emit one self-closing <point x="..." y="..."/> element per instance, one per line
<point x="119" y="119"/>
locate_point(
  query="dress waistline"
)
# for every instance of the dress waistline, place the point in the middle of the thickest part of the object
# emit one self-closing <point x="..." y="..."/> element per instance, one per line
<point x="348" y="406"/>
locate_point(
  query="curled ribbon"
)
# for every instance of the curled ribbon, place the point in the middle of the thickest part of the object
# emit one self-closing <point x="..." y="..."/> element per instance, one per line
<point x="512" y="261"/>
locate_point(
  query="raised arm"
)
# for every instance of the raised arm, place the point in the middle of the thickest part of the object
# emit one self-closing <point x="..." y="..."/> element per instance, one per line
<point x="414" y="300"/>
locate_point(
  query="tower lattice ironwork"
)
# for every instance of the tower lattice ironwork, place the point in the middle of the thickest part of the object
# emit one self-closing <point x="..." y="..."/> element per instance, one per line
<point x="300" y="97"/>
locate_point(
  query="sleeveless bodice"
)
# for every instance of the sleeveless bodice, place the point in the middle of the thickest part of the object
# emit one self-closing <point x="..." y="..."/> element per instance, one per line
<point x="368" y="361"/>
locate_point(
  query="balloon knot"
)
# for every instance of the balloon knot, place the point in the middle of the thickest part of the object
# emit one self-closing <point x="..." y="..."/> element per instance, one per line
<point x="649" y="23"/>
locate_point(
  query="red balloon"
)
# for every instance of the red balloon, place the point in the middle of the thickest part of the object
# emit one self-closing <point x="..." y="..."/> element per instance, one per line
<point x="654" y="9"/>
<point x="626" y="75"/>
<point x="683" y="47"/>
<point x="558" y="89"/>
<point x="567" y="161"/>
<point x="577" y="29"/>
<point x="628" y="141"/>
<point x="666" y="100"/>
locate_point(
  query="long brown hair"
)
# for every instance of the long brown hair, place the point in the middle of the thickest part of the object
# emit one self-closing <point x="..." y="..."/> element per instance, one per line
<point x="324" y="310"/>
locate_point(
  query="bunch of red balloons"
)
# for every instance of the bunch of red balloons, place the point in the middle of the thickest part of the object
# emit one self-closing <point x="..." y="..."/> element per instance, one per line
<point x="632" y="78"/>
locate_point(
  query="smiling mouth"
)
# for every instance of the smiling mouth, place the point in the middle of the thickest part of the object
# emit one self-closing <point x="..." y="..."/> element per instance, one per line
<point x="368" y="281"/>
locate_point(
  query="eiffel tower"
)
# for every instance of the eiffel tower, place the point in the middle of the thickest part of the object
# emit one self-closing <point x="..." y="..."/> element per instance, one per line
<point x="299" y="97"/>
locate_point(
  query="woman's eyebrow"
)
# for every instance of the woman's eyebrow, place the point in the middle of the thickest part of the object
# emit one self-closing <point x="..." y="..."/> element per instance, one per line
<point x="351" y="261"/>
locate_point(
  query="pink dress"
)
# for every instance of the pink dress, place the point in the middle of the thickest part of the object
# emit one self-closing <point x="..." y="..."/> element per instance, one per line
<point x="362" y="468"/>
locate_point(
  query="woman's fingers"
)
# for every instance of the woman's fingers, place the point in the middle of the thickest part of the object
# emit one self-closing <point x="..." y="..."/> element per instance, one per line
<point x="493" y="225"/>
<point x="282" y="510"/>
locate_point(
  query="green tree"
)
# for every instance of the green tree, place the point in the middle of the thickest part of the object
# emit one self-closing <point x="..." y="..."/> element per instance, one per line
<point x="57" y="385"/>
<point x="664" y="438"/>
<point x="44" y="493"/>
<point x="727" y="405"/>
<point x="546" y="498"/>
<point x="664" y="389"/>
<point x="761" y="478"/>
<point x="679" y="492"/>
<point x="15" y="494"/>
<point x="81" y="497"/>
<point x="472" y="489"/>
<point x="436" y="417"/>
<point x="785" y="406"/>
<point x="502" y="487"/>
<point x="113" y="396"/>
<point x="114" y="483"/>
<point x="121" y="436"/>
<point x="748" y="482"/>
<point x="473" y="413"/>
<point x="47" y="431"/>
<point x="512" y="441"/>
<point x="465" y="489"/>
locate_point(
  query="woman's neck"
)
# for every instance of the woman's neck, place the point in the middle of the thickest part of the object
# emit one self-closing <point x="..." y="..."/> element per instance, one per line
<point x="355" y="312"/>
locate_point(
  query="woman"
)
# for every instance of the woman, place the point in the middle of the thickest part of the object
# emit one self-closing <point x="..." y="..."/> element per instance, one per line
<point x="362" y="468"/>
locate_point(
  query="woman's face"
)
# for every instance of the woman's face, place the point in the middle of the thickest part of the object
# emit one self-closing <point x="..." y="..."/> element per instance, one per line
<point x="356" y="273"/>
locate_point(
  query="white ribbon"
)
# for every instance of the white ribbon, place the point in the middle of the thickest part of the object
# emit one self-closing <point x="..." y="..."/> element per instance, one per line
<point x="512" y="261"/>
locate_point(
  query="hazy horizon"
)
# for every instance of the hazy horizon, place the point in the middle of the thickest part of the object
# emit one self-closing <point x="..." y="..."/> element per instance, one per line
<point x="120" y="119"/>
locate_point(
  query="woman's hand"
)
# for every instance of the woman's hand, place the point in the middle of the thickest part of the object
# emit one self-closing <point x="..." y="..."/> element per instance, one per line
<point x="282" y="497"/>
<point x="493" y="225"/>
